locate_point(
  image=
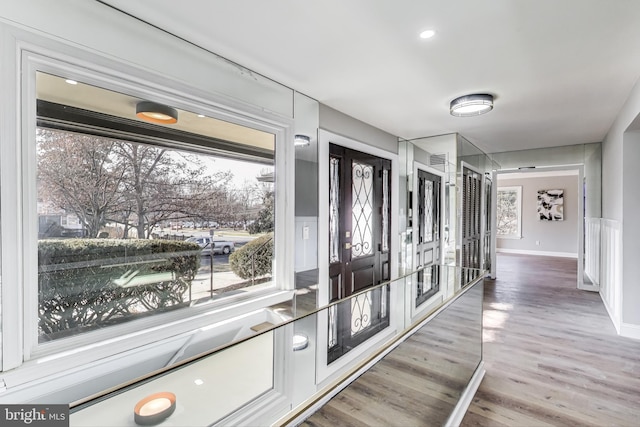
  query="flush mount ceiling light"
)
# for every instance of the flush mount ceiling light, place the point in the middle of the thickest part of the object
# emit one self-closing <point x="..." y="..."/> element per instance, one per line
<point x="427" y="34"/>
<point x="471" y="105"/>
<point x="156" y="113"/>
<point x="301" y="140"/>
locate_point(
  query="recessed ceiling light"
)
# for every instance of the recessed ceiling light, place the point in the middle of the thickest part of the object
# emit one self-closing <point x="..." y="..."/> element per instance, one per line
<point x="427" y="34"/>
<point x="201" y="115"/>
<point x="71" y="82"/>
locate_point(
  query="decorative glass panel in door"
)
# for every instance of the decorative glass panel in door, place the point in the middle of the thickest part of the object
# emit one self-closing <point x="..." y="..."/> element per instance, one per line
<point x="428" y="237"/>
<point x="359" y="224"/>
<point x="471" y="233"/>
<point x="487" y="221"/>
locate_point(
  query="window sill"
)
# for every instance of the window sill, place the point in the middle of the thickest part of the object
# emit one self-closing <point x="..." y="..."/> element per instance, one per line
<point x="509" y="237"/>
<point x="70" y="374"/>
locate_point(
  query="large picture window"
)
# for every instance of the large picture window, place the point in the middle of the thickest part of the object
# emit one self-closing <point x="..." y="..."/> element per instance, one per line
<point x="136" y="218"/>
<point x="509" y="212"/>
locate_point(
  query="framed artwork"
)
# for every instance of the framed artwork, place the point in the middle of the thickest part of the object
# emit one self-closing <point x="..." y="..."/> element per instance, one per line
<point x="551" y="205"/>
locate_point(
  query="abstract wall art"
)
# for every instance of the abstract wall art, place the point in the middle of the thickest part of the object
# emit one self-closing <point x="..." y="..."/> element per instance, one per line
<point x="551" y="205"/>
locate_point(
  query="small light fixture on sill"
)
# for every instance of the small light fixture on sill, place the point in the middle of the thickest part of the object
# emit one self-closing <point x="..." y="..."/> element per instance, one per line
<point x="156" y="113"/>
<point x="471" y="105"/>
<point x="301" y="140"/>
<point x="300" y="342"/>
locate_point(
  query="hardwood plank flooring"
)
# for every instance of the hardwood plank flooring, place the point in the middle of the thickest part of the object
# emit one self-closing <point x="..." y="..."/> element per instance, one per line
<point x="419" y="382"/>
<point x="551" y="352"/>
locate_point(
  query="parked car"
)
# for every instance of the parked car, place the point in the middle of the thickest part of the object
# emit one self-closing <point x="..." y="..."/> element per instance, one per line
<point x="220" y="247"/>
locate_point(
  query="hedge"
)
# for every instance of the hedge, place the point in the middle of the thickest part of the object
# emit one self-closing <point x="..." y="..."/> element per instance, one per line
<point x="261" y="251"/>
<point x="90" y="283"/>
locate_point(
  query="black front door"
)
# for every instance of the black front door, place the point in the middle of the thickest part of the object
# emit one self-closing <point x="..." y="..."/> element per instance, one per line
<point x="359" y="240"/>
<point x="428" y="238"/>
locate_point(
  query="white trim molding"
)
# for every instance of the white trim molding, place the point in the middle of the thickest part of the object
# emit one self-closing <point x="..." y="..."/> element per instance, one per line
<point x="456" y="417"/>
<point x="538" y="253"/>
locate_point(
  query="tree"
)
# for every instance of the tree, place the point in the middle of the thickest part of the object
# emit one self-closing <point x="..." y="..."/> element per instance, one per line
<point x="266" y="218"/>
<point x="78" y="173"/>
<point x="507" y="212"/>
<point x="137" y="185"/>
<point x="247" y="202"/>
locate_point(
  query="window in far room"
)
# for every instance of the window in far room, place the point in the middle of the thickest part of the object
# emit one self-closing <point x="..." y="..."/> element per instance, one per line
<point x="509" y="212"/>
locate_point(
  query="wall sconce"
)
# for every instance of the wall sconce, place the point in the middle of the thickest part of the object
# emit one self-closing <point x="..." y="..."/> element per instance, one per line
<point x="156" y="113"/>
<point x="471" y="105"/>
<point x="301" y="140"/>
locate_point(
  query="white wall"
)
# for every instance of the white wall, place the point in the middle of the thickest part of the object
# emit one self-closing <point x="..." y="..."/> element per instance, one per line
<point x="620" y="173"/>
<point x="102" y="29"/>
<point x="631" y="232"/>
<point x="555" y="237"/>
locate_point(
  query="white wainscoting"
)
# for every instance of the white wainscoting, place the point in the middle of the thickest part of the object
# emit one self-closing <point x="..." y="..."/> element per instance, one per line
<point x="611" y="269"/>
<point x="592" y="249"/>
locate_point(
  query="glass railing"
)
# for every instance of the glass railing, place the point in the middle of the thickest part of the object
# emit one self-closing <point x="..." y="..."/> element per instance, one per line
<point x="294" y="355"/>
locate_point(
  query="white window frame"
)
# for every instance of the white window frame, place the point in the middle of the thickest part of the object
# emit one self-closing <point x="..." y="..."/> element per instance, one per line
<point x="20" y="347"/>
<point x="518" y="190"/>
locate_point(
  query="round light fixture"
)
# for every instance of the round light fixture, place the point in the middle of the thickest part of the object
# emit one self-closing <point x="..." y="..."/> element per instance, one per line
<point x="301" y="140"/>
<point x="471" y="105"/>
<point x="427" y="34"/>
<point x="71" y="82"/>
<point x="154" y="409"/>
<point x="156" y="113"/>
<point x="300" y="342"/>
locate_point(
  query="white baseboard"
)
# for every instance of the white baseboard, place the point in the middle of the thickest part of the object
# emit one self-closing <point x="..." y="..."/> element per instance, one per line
<point x="612" y="315"/>
<point x="467" y="396"/>
<point x="630" y="330"/>
<point x="539" y="253"/>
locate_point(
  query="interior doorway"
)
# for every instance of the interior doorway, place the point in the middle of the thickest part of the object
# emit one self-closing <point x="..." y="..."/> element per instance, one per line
<point x="550" y="214"/>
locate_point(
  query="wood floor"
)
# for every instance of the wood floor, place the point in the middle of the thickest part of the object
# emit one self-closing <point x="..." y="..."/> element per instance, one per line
<point x="551" y="352"/>
<point x="419" y="382"/>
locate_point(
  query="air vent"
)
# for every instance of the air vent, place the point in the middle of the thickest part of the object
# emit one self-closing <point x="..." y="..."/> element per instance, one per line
<point x="438" y="159"/>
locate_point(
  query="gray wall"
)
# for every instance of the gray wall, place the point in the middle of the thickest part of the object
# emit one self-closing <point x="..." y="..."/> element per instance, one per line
<point x="589" y="155"/>
<point x="631" y="228"/>
<point x="554" y="236"/>
<point x="337" y="122"/>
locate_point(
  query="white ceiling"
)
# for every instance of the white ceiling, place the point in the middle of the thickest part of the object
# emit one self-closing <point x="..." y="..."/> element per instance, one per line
<point x="560" y="70"/>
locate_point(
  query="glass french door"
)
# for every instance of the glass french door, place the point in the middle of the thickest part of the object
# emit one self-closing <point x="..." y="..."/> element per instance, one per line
<point x="359" y="244"/>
